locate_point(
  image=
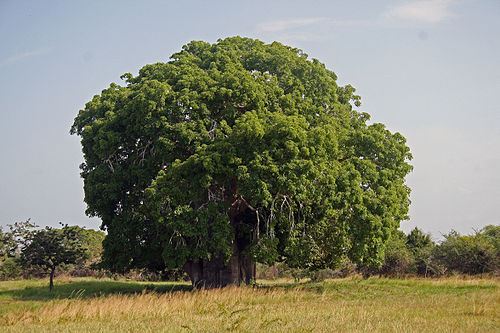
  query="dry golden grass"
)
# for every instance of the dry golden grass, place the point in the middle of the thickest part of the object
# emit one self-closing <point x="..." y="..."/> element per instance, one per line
<point x="379" y="305"/>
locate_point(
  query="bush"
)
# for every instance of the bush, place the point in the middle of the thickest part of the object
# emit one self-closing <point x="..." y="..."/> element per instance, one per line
<point x="397" y="257"/>
<point x="491" y="233"/>
<point x="420" y="247"/>
<point x="10" y="269"/>
<point x="467" y="254"/>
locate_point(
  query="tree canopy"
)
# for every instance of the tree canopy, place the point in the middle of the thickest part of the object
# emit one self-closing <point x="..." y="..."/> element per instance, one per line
<point x="237" y="152"/>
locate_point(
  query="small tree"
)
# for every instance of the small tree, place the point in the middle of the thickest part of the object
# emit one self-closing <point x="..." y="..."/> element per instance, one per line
<point x="420" y="246"/>
<point x="48" y="248"/>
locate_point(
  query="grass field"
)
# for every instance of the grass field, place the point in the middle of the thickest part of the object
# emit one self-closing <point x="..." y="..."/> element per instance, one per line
<point x="379" y="305"/>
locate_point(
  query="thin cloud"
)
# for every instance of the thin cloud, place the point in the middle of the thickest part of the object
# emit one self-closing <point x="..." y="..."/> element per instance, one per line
<point x="282" y="25"/>
<point x="308" y="28"/>
<point x="305" y="29"/>
<point x="355" y="23"/>
<point x="24" y="55"/>
<point x="431" y="11"/>
<point x="299" y="37"/>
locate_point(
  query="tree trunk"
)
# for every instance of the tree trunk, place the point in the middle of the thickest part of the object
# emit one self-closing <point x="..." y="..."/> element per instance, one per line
<point x="52" y="273"/>
<point x="215" y="273"/>
<point x="240" y="269"/>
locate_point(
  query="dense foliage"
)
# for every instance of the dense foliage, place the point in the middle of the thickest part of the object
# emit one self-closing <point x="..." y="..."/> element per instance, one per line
<point x="239" y="147"/>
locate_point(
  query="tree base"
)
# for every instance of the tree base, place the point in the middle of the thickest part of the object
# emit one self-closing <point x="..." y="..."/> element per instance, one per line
<point x="216" y="274"/>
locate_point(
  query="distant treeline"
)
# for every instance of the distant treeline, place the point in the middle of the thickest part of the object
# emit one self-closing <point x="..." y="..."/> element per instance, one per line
<point x="417" y="255"/>
<point x="28" y="251"/>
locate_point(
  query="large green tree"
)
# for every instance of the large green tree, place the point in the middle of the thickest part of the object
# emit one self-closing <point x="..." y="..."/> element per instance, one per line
<point x="237" y="152"/>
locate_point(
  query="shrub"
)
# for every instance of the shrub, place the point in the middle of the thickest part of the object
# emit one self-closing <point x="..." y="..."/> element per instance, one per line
<point x="10" y="269"/>
<point x="420" y="247"/>
<point x="397" y="257"/>
<point x="467" y="254"/>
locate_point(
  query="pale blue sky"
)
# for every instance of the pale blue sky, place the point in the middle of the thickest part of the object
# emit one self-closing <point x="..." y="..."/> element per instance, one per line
<point x="428" y="69"/>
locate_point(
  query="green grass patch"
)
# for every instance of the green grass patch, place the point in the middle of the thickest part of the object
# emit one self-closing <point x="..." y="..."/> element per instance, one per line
<point x="375" y="304"/>
<point x="82" y="288"/>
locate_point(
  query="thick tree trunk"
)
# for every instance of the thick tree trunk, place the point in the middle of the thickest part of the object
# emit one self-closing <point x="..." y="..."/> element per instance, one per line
<point x="215" y="273"/>
<point x="240" y="269"/>
<point x="52" y="273"/>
